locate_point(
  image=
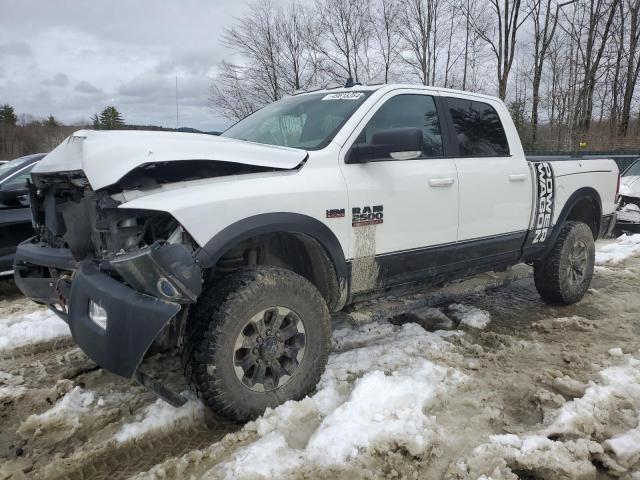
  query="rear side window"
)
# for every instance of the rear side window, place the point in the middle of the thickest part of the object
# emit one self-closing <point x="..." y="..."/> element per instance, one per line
<point x="477" y="129"/>
<point x="408" y="110"/>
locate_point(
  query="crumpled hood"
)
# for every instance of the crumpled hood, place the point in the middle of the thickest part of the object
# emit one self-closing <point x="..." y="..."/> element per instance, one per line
<point x="630" y="186"/>
<point x="107" y="156"/>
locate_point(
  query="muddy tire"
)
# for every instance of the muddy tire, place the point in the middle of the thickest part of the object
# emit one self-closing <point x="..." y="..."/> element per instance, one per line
<point x="564" y="275"/>
<point x="255" y="339"/>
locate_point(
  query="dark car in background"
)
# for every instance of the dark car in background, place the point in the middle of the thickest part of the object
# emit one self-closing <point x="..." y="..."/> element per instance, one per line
<point x="15" y="214"/>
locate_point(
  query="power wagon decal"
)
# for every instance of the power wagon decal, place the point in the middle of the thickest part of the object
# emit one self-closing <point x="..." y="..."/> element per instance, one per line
<point x="544" y="206"/>
<point x="367" y="216"/>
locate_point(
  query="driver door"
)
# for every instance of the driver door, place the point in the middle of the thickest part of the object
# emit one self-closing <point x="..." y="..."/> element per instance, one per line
<point x="404" y="206"/>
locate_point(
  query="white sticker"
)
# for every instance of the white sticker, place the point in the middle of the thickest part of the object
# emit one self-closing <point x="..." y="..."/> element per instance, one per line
<point x="343" y="96"/>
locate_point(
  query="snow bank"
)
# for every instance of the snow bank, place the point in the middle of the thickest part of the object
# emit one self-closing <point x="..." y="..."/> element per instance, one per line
<point x="160" y="416"/>
<point x="370" y="399"/>
<point x="64" y="415"/>
<point x="602" y="425"/>
<point x="11" y="386"/>
<point x="470" y="316"/>
<point x="35" y="327"/>
<point x="615" y="253"/>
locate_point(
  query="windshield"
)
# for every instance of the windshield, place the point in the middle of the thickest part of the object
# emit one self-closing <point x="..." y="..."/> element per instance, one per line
<point x="306" y="121"/>
<point x="9" y="167"/>
<point x="633" y="170"/>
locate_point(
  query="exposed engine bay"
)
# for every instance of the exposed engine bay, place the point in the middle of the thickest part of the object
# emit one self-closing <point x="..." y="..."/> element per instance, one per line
<point x="147" y="250"/>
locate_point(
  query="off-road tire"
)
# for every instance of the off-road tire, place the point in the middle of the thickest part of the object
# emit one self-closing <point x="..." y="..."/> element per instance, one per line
<point x="217" y="319"/>
<point x="552" y="274"/>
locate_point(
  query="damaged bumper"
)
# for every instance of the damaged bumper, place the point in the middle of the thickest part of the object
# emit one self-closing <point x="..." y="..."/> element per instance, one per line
<point x="114" y="322"/>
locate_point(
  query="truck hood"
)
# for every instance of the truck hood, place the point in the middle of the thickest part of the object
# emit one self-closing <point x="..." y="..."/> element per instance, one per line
<point x="107" y="156"/>
<point x="630" y="186"/>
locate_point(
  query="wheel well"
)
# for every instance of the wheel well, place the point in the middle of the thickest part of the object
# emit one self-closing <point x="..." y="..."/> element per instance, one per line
<point x="586" y="210"/>
<point x="297" y="252"/>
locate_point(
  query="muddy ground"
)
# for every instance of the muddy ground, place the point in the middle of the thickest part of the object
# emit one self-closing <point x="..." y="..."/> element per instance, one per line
<point x="64" y="417"/>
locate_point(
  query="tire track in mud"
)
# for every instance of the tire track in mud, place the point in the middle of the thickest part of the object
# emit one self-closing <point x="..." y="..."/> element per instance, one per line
<point x="49" y="370"/>
<point x="121" y="461"/>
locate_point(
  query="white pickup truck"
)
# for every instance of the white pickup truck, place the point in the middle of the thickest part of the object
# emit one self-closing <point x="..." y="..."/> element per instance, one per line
<point x="237" y="248"/>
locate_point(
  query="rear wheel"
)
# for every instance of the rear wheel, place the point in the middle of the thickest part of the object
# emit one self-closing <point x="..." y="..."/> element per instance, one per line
<point x="259" y="337"/>
<point x="564" y="275"/>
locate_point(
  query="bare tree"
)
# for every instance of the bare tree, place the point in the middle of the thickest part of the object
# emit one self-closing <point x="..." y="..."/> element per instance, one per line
<point x="498" y="26"/>
<point x="343" y="28"/>
<point x="633" y="63"/>
<point x="544" y="14"/>
<point x="231" y="93"/>
<point x="256" y="38"/>
<point x="416" y="28"/>
<point x="298" y="66"/>
<point x="593" y="33"/>
<point x="384" y="21"/>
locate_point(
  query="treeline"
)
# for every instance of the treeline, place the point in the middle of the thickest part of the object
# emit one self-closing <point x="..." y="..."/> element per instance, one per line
<point x="23" y="134"/>
<point x="567" y="69"/>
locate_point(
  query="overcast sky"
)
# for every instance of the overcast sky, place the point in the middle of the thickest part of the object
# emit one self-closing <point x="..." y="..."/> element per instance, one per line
<point x="72" y="58"/>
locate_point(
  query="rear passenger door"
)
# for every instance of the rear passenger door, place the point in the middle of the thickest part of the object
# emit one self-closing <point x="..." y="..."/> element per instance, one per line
<point x="495" y="181"/>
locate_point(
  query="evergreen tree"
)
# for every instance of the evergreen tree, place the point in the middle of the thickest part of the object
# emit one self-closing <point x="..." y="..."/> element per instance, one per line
<point x="51" y="122"/>
<point x="8" y="115"/>
<point x="96" y="121"/>
<point x="111" y="119"/>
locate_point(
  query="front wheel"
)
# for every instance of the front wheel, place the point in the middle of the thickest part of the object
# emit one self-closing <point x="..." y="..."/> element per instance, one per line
<point x="257" y="338"/>
<point x="564" y="275"/>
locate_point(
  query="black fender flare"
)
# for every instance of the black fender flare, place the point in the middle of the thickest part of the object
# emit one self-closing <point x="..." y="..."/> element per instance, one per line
<point x="275" y="222"/>
<point x="574" y="198"/>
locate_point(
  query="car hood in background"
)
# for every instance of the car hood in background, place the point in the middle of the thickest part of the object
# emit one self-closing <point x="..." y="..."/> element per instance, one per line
<point x="630" y="186"/>
<point x="107" y="156"/>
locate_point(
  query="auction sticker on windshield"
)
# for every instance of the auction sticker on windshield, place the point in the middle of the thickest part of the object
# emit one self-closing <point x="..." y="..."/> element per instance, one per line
<point x="343" y="96"/>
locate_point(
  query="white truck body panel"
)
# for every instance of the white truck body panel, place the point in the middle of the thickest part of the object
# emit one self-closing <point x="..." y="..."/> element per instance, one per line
<point x="206" y="208"/>
<point x="488" y="196"/>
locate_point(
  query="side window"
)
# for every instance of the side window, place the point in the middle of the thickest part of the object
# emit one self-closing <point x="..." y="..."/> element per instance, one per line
<point x="407" y="111"/>
<point x="477" y="128"/>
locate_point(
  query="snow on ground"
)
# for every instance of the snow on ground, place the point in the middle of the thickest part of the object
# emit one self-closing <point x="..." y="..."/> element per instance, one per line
<point x="470" y="316"/>
<point x="602" y="424"/>
<point x="160" y="416"/>
<point x="371" y="398"/>
<point x="68" y="411"/>
<point x="38" y="326"/>
<point x="616" y="252"/>
<point x="11" y="386"/>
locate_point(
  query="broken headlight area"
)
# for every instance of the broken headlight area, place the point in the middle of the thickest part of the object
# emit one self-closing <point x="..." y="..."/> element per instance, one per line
<point x="163" y="270"/>
<point x="145" y="249"/>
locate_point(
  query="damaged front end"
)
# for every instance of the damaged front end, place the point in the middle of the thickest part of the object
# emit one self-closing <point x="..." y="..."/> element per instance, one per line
<point x="119" y="277"/>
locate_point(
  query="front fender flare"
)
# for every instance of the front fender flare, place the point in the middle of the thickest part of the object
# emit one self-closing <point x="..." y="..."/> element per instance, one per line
<point x="288" y="222"/>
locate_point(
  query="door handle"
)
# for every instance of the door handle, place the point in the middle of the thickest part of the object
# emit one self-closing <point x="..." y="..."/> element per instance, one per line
<point x="520" y="177"/>
<point x="440" y="182"/>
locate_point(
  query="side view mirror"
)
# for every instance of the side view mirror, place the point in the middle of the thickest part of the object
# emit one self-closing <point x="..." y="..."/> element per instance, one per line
<point x="12" y="195"/>
<point x="390" y="144"/>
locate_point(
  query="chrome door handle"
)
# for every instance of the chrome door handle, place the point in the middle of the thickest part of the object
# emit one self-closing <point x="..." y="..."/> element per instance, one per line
<point x="520" y="177"/>
<point x="440" y="182"/>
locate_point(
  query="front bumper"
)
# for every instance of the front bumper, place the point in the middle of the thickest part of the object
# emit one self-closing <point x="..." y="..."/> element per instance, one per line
<point x="134" y="319"/>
